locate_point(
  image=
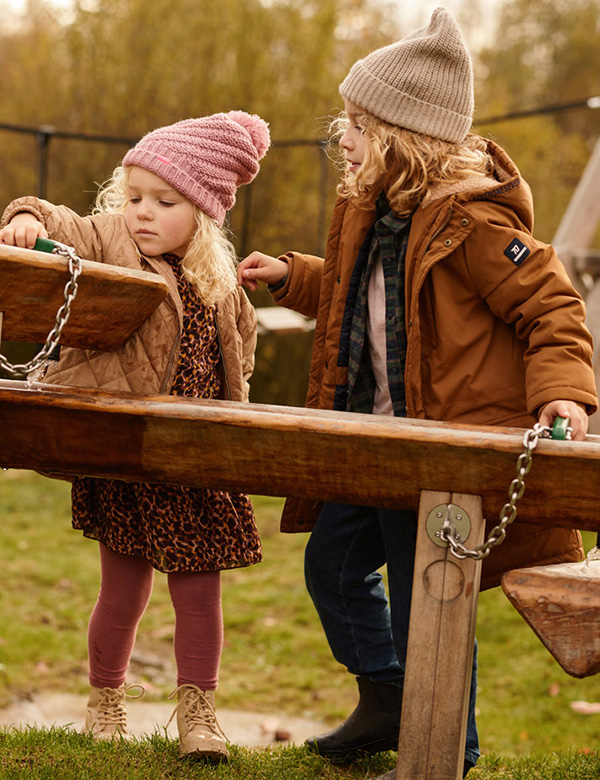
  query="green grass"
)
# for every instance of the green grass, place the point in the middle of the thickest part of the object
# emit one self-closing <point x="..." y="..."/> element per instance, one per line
<point x="56" y="754"/>
<point x="275" y="660"/>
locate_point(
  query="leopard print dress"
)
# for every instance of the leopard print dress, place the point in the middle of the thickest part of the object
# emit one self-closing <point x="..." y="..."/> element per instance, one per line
<point x="176" y="528"/>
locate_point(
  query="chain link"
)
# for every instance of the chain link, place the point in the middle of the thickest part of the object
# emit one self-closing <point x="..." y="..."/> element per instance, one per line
<point x="41" y="358"/>
<point x="509" y="511"/>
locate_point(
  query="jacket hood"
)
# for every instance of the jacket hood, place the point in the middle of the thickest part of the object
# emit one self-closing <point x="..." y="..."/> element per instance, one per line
<point x="505" y="187"/>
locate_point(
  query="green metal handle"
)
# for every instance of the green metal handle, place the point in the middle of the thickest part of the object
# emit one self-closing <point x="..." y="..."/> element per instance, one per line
<point x="44" y="245"/>
<point x="560" y="429"/>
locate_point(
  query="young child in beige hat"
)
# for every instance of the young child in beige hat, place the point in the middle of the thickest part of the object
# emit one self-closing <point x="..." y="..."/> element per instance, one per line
<point x="433" y="301"/>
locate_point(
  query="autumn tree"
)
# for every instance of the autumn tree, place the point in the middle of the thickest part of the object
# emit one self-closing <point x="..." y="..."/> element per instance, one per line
<point x="124" y="67"/>
<point x="544" y="53"/>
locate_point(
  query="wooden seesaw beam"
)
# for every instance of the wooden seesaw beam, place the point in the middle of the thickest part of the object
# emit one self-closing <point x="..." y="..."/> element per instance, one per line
<point x="287" y="451"/>
<point x="355" y="458"/>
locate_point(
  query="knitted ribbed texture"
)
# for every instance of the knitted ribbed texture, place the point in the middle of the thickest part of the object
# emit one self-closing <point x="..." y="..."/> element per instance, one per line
<point x="424" y="82"/>
<point x="205" y="159"/>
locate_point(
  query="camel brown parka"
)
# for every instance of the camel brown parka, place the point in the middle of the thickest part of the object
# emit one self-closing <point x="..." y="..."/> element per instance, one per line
<point x="494" y="328"/>
<point x="146" y="363"/>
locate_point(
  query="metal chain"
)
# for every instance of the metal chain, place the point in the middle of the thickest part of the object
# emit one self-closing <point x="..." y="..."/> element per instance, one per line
<point x="509" y="510"/>
<point x="62" y="315"/>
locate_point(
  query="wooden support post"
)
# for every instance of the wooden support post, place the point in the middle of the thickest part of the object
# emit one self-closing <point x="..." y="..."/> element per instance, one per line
<point x="440" y="647"/>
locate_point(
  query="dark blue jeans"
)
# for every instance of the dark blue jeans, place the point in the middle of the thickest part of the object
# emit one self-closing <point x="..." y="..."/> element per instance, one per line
<point x="367" y="633"/>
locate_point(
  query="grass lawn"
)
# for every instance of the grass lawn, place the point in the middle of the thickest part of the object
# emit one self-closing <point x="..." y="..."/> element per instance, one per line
<point x="275" y="657"/>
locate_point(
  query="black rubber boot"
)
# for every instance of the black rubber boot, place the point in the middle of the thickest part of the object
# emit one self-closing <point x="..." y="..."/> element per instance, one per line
<point x="373" y="727"/>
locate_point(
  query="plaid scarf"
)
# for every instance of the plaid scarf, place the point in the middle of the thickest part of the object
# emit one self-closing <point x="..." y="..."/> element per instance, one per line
<point x="387" y="239"/>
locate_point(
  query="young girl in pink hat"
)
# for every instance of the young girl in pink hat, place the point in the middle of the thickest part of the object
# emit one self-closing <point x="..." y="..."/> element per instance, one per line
<point x="163" y="211"/>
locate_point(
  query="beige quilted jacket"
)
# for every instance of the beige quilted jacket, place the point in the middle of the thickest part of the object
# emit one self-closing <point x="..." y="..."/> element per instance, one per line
<point x="146" y="363"/>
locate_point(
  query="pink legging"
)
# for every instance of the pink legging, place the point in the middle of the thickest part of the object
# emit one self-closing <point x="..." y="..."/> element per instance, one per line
<point x="125" y="590"/>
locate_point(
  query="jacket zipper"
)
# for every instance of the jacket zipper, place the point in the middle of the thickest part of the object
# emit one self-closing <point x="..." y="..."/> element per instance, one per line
<point x="168" y="377"/>
<point x="442" y="227"/>
<point x="168" y="381"/>
<point x="225" y="377"/>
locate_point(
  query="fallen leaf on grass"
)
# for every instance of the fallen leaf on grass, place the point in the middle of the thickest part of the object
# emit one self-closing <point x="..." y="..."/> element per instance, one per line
<point x="586" y="707"/>
<point x="268" y="725"/>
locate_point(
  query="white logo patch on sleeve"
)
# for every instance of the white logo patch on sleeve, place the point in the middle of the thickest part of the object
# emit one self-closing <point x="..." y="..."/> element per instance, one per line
<point x="516" y="251"/>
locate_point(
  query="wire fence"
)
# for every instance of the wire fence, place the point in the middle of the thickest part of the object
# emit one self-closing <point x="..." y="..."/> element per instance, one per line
<point x="44" y="135"/>
<point x="281" y="363"/>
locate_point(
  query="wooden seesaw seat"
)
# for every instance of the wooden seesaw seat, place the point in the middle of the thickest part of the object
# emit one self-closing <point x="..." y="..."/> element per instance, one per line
<point x="111" y="302"/>
<point x="561" y="603"/>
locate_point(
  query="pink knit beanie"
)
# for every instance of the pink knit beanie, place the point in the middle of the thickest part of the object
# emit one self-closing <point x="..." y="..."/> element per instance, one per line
<point x="205" y="159"/>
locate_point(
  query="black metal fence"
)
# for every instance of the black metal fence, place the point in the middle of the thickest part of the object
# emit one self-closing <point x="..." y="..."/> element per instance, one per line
<point x="281" y="362"/>
<point x="45" y="135"/>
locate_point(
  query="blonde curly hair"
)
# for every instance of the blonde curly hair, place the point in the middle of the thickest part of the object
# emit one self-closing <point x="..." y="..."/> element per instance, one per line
<point x="209" y="264"/>
<point x="407" y="165"/>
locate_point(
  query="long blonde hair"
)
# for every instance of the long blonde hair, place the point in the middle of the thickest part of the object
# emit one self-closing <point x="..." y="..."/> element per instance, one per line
<point x="209" y="264"/>
<point x="407" y="165"/>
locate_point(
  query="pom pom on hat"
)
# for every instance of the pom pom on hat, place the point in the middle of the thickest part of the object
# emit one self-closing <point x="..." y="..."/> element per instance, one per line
<point x="257" y="127"/>
<point x="205" y="159"/>
<point x="424" y="82"/>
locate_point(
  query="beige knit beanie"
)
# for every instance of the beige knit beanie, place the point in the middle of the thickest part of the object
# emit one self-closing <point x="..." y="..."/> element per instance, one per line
<point x="424" y="82"/>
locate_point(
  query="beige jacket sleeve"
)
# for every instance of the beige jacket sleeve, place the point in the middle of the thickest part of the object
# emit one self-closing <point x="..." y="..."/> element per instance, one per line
<point x="92" y="237"/>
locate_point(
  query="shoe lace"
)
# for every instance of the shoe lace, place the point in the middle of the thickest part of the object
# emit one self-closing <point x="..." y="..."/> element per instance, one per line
<point x="198" y="711"/>
<point x="111" y="704"/>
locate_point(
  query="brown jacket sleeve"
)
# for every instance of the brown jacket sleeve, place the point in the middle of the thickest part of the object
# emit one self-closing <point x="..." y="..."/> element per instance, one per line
<point x="302" y="287"/>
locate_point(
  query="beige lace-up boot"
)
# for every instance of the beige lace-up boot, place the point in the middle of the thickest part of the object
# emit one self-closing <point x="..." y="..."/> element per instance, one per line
<point x="200" y="735"/>
<point x="106" y="715"/>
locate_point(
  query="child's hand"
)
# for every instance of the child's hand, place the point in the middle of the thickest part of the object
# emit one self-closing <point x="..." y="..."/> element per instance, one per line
<point x="574" y="411"/>
<point x="22" y="230"/>
<point x="261" y="268"/>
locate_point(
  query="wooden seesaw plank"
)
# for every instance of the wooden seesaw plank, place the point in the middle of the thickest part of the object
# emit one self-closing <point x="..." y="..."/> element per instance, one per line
<point x="286" y="451"/>
<point x="363" y="459"/>
<point x="111" y="302"/>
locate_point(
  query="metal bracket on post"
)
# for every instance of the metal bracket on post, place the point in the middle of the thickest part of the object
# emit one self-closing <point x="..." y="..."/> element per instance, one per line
<point x="448" y="515"/>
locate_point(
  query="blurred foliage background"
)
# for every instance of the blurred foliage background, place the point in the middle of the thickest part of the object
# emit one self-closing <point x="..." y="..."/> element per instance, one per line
<point x="87" y="80"/>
